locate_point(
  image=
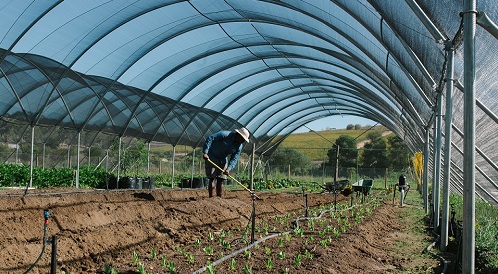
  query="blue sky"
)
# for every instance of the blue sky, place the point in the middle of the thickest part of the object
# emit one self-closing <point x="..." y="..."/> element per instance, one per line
<point x="338" y="122"/>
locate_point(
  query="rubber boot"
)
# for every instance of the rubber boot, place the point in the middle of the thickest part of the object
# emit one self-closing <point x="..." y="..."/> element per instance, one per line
<point x="219" y="187"/>
<point x="210" y="187"/>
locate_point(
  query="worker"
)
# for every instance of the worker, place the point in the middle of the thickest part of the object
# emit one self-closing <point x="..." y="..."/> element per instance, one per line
<point x="217" y="148"/>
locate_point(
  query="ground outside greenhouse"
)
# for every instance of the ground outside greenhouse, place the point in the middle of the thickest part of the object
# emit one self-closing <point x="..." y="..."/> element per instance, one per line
<point x="168" y="230"/>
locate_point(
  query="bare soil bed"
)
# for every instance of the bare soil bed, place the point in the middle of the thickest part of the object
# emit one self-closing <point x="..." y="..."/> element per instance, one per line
<point x="167" y="230"/>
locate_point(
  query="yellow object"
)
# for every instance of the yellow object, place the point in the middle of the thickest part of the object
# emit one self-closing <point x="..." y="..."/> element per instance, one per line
<point x="418" y="166"/>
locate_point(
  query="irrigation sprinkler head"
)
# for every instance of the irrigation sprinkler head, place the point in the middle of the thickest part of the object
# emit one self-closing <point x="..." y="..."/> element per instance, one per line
<point x="46" y="215"/>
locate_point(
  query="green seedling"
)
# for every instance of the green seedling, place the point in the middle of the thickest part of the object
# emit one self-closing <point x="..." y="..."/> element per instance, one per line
<point x="281" y="255"/>
<point x="267" y="251"/>
<point x="280" y="242"/>
<point x="209" y="250"/>
<point x="323" y="243"/>
<point x="170" y="266"/>
<point x="163" y="261"/>
<point x="153" y="254"/>
<point x="141" y="269"/>
<point x="136" y="258"/>
<point x="286" y="270"/>
<point x="197" y="242"/>
<point x="247" y="269"/>
<point x="190" y="258"/>
<point x="233" y="264"/>
<point x="210" y="268"/>
<point x="297" y="259"/>
<point x="308" y="255"/>
<point x="210" y="236"/>
<point x="109" y="270"/>
<point x="247" y="254"/>
<point x="288" y="237"/>
<point x="269" y="264"/>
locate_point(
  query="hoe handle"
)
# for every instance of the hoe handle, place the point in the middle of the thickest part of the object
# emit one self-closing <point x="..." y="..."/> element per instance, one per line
<point x="231" y="177"/>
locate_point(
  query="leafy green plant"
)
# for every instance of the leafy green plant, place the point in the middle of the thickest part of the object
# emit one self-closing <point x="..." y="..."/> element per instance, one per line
<point x="170" y="266"/>
<point x="281" y="255"/>
<point x="210" y="268"/>
<point x="280" y="242"/>
<point x="190" y="258"/>
<point x="136" y="258"/>
<point x="297" y="259"/>
<point x="269" y="264"/>
<point x="109" y="270"/>
<point x="209" y="250"/>
<point x="267" y="250"/>
<point x="141" y="268"/>
<point x="197" y="242"/>
<point x="153" y="254"/>
<point x="247" y="254"/>
<point x="247" y="269"/>
<point x="233" y="264"/>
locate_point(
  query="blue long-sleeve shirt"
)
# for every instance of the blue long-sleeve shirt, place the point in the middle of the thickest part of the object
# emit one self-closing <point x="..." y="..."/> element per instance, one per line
<point x="221" y="145"/>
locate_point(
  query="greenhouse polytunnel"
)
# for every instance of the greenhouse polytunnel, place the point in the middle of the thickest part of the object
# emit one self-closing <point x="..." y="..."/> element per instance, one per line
<point x="176" y="71"/>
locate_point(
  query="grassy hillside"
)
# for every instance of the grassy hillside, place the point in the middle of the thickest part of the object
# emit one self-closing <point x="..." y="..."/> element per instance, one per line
<point x="315" y="145"/>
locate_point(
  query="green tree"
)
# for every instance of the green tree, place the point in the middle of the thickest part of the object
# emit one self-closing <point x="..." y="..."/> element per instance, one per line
<point x="347" y="152"/>
<point x="399" y="155"/>
<point x="375" y="154"/>
<point x="350" y="127"/>
<point x="283" y="156"/>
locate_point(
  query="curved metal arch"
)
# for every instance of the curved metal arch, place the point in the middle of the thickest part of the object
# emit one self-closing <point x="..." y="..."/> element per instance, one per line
<point x="34" y="22"/>
<point x="26" y="116"/>
<point x="284" y="90"/>
<point x="359" y="46"/>
<point x="365" y="107"/>
<point x="37" y="117"/>
<point x="272" y="68"/>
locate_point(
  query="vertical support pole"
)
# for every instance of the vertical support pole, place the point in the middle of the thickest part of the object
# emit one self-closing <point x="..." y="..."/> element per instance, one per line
<point x="69" y="156"/>
<point x="447" y="146"/>
<point x="425" y="183"/>
<point x="32" y="153"/>
<point x="251" y="175"/>
<point x="78" y="161"/>
<point x="253" y="226"/>
<point x="357" y="165"/>
<point x="173" y="167"/>
<point x="469" y="31"/>
<point x="436" y="185"/>
<point x="323" y="166"/>
<point x="193" y="168"/>
<point x="89" y="155"/>
<point x="148" y="159"/>
<point x="336" y="164"/>
<point x="107" y="160"/>
<point x="119" y="162"/>
<point x="43" y="157"/>
<point x="17" y="153"/>
<point x="306" y="204"/>
<point x="53" y="261"/>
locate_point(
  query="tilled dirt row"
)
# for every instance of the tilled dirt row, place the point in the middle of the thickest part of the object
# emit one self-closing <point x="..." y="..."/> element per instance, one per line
<point x="96" y="226"/>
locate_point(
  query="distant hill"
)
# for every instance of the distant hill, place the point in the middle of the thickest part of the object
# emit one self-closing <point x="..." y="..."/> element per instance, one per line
<point x="315" y="144"/>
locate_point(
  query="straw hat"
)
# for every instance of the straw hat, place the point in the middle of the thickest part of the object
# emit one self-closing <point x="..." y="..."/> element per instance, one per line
<point x="243" y="132"/>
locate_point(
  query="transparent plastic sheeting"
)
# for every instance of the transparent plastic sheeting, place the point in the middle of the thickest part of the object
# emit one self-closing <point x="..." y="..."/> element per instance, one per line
<point x="176" y="71"/>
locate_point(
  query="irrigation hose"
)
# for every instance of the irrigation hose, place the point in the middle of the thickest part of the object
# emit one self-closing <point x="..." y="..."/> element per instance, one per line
<point x="428" y="249"/>
<point x="231" y="177"/>
<point x="45" y="228"/>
